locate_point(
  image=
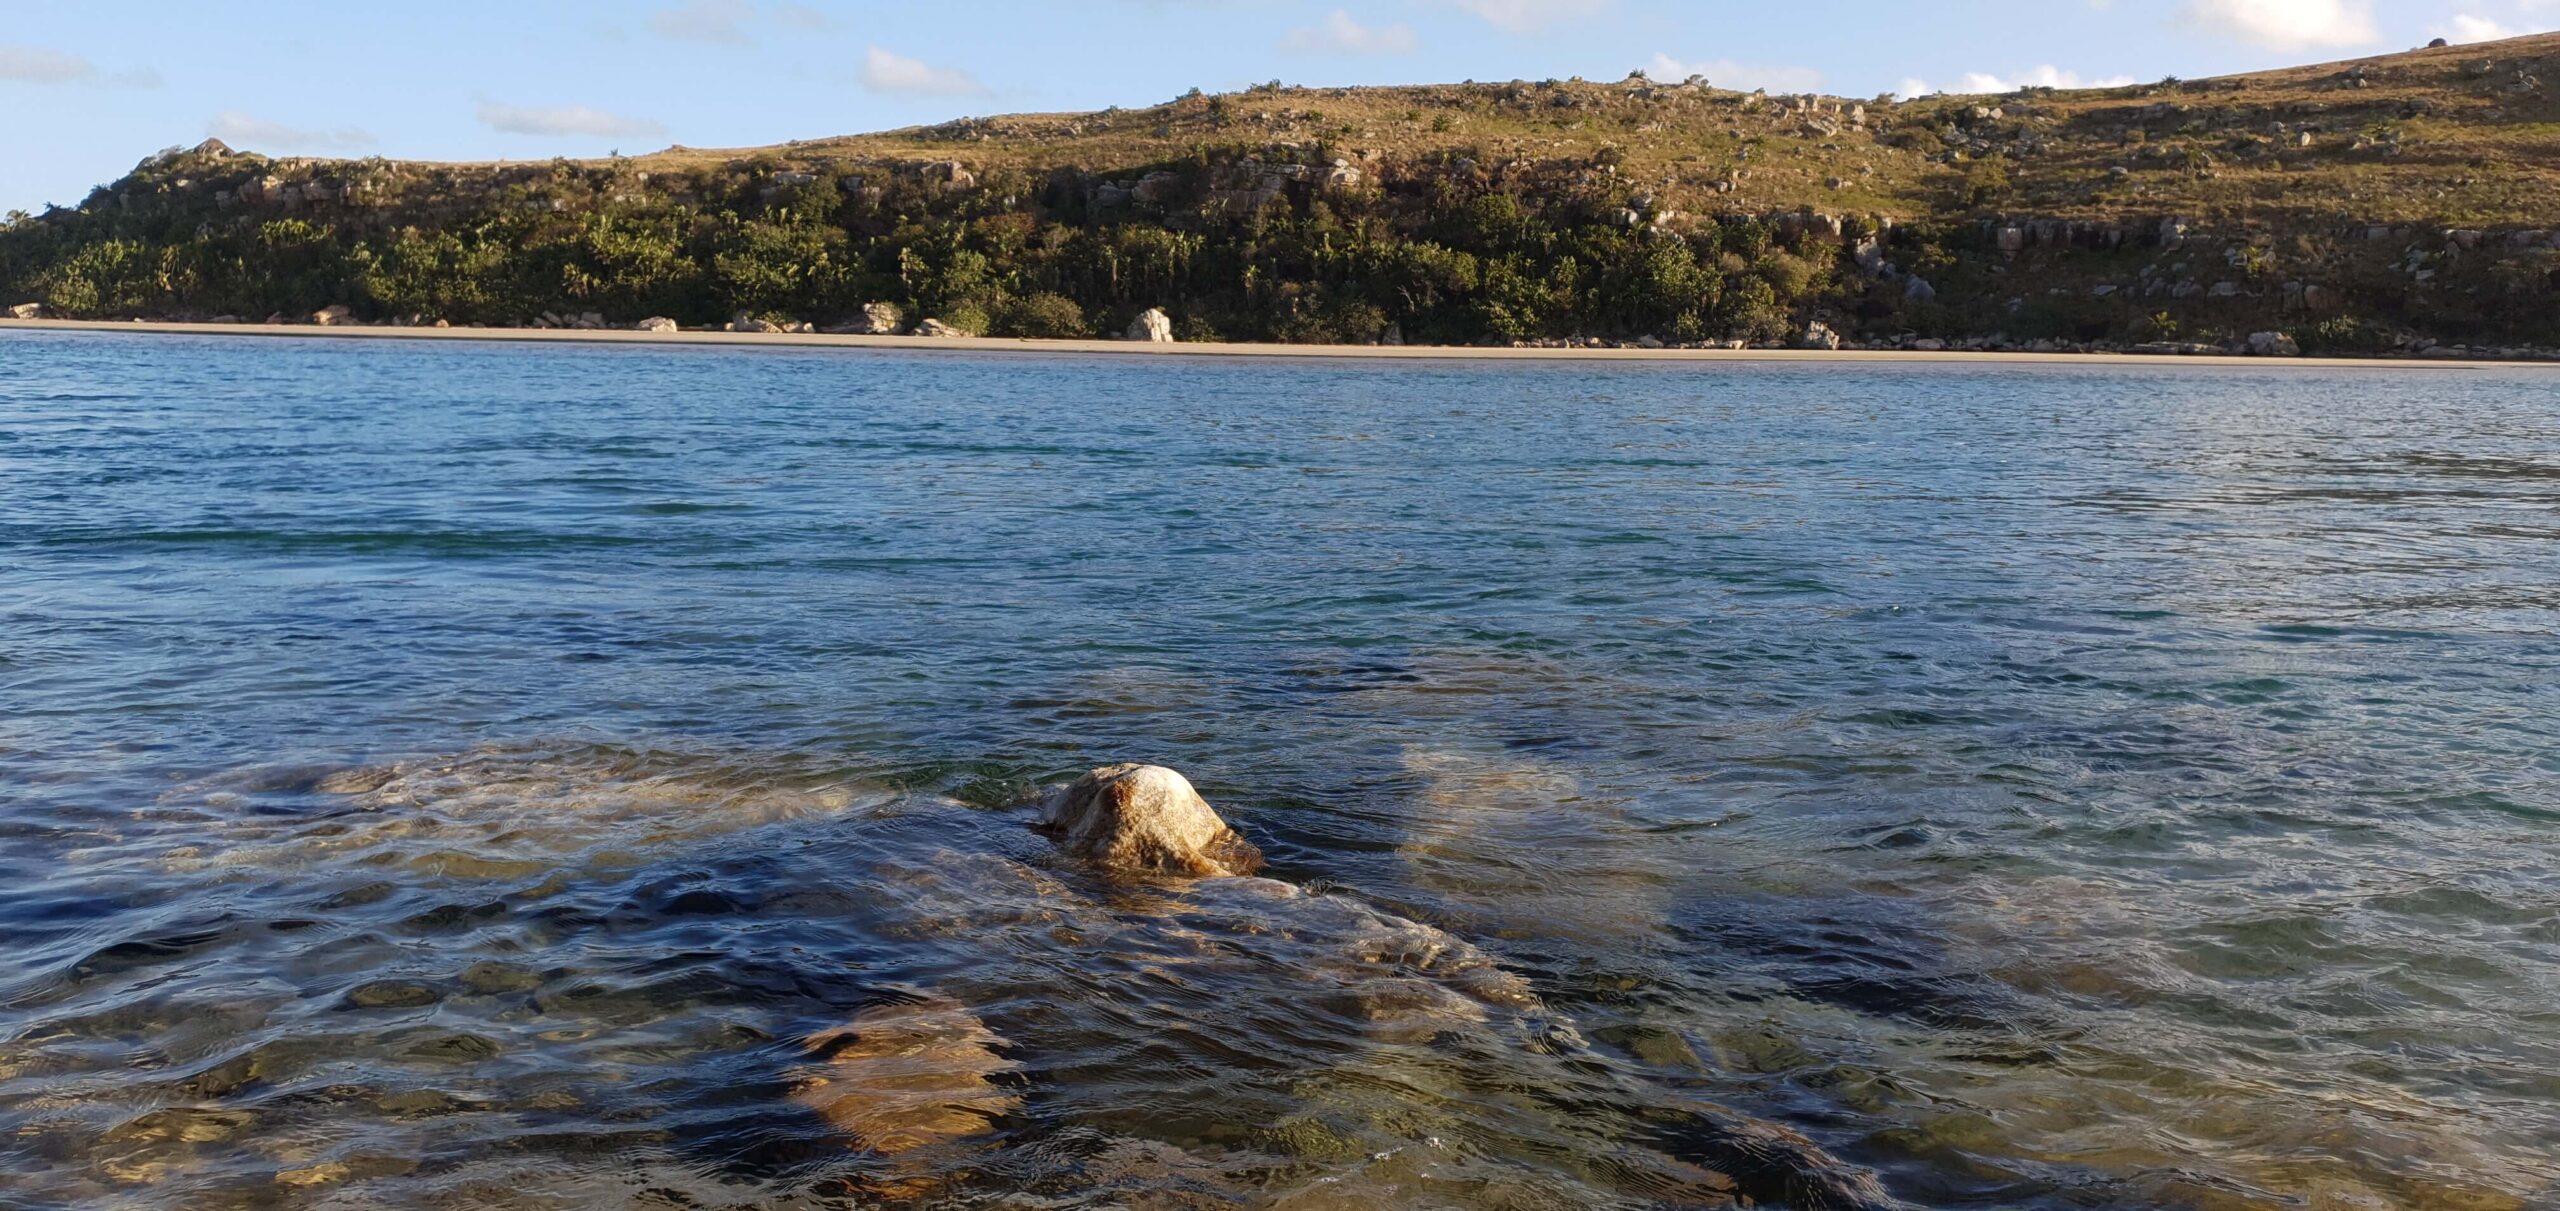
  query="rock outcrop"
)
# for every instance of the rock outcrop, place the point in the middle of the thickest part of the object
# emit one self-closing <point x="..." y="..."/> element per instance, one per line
<point x="27" y="311"/>
<point x="1145" y="819"/>
<point x="939" y="330"/>
<point x="331" y="316"/>
<point x="1153" y="327"/>
<point x="656" y="323"/>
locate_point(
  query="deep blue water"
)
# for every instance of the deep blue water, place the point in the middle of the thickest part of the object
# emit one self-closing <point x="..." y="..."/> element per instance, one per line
<point x="457" y="775"/>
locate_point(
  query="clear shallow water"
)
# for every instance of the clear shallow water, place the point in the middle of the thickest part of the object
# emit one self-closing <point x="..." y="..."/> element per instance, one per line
<point x="455" y="775"/>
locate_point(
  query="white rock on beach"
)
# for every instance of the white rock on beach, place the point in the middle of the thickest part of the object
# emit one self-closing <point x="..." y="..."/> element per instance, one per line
<point x="27" y="311"/>
<point x="656" y="323"/>
<point x="938" y="330"/>
<point x="877" y="319"/>
<point x="2273" y="344"/>
<point x="331" y="316"/>
<point x="1153" y="326"/>
<point x="1145" y="819"/>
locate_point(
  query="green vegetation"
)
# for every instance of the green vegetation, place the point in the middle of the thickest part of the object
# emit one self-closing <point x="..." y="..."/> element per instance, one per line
<point x="2356" y="207"/>
<point x="1434" y="260"/>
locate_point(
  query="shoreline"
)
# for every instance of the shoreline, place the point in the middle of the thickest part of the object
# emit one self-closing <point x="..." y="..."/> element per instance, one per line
<point x="1386" y="353"/>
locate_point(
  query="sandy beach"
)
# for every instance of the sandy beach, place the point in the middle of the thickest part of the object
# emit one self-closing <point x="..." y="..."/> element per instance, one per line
<point x="1386" y="353"/>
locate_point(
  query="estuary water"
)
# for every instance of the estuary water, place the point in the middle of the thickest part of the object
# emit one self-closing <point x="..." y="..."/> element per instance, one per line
<point x="472" y="775"/>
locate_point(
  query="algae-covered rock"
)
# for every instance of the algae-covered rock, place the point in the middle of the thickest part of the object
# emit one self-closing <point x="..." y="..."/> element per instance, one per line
<point x="392" y="994"/>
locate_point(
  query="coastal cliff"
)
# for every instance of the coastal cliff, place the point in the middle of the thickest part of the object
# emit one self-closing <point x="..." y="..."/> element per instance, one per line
<point x="2407" y="204"/>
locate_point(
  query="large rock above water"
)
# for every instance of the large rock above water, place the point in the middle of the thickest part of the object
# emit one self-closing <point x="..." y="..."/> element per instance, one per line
<point x="1153" y="326"/>
<point x="1145" y="819"/>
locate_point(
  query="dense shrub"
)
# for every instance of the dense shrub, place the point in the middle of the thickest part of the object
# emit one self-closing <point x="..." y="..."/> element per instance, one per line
<point x="1043" y="315"/>
<point x="2343" y="334"/>
<point x="1442" y="256"/>
<point x="968" y="318"/>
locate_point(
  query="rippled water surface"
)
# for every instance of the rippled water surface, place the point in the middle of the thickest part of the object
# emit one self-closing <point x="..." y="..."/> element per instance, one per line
<point x="479" y="776"/>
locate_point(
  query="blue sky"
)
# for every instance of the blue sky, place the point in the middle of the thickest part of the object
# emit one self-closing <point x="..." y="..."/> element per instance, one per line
<point x="88" y="87"/>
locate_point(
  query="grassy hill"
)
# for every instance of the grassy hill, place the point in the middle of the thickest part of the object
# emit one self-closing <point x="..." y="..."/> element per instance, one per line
<point x="2380" y="205"/>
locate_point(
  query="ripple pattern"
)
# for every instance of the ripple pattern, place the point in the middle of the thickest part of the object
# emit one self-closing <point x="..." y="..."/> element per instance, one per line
<point x="456" y="775"/>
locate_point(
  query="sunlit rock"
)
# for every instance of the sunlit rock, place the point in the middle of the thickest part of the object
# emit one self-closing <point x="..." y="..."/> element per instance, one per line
<point x="1145" y="818"/>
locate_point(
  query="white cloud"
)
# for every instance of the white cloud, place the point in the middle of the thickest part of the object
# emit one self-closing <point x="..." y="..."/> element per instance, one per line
<point x="717" y="22"/>
<point x="887" y="72"/>
<point x="582" y="120"/>
<point x="36" y="65"/>
<point x="1976" y="82"/>
<point x="1530" y="16"/>
<point x="1725" y="73"/>
<point x="1338" y="34"/>
<point x="234" y="127"/>
<point x="2286" y="25"/>
<point x="2467" y="28"/>
<point x="799" y="16"/>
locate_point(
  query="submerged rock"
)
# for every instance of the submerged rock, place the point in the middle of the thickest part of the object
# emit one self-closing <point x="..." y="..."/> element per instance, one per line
<point x="502" y="813"/>
<point x="1145" y="818"/>
<point x="909" y="1076"/>
<point x="1373" y="1037"/>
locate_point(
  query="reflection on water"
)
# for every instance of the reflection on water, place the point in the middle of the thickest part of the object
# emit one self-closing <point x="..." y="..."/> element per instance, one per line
<point x="568" y="778"/>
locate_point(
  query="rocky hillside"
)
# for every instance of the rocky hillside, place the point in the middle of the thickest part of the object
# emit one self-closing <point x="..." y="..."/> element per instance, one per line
<point x="2408" y="203"/>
